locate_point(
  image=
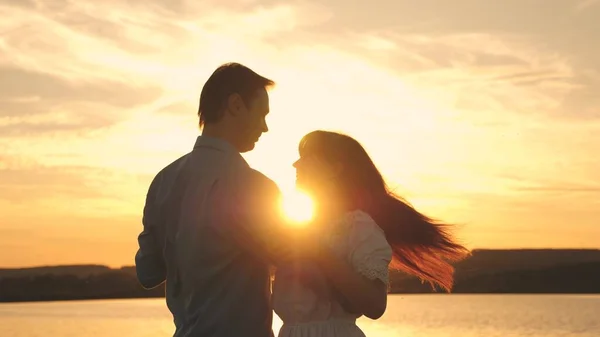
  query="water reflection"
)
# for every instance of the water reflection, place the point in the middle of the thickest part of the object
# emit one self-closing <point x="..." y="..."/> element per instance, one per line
<point x="407" y="316"/>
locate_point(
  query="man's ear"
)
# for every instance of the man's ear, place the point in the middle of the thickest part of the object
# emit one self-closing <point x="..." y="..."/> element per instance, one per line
<point x="235" y="104"/>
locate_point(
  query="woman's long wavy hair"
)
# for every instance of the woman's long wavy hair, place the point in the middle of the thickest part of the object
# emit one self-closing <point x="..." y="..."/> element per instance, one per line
<point x="421" y="246"/>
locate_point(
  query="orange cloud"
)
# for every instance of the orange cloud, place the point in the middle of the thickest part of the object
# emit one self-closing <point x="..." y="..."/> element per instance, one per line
<point x="481" y="117"/>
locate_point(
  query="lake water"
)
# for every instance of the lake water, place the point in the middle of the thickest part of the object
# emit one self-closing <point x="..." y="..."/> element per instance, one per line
<point x="409" y="316"/>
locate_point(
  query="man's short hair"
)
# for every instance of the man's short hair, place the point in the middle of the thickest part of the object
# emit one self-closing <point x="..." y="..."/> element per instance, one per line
<point x="228" y="79"/>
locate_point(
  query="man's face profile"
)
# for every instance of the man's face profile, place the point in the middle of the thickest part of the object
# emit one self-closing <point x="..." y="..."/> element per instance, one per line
<point x="253" y="118"/>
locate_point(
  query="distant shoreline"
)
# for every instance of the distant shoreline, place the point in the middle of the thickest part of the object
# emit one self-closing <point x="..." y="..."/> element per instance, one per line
<point x="391" y="294"/>
<point x="502" y="272"/>
<point x="475" y="251"/>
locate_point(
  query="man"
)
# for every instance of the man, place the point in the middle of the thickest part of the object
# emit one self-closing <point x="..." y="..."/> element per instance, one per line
<point x="216" y="266"/>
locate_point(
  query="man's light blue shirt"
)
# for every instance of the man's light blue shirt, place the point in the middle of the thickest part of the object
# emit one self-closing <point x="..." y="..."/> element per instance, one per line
<point x="216" y="271"/>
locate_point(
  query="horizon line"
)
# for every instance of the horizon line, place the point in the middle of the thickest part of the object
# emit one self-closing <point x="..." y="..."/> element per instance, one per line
<point x="133" y="263"/>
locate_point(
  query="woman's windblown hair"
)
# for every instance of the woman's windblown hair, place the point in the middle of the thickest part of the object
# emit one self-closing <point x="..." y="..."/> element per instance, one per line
<point x="421" y="246"/>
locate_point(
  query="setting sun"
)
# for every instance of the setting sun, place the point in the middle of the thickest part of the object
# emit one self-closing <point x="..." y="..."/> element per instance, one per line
<point x="297" y="207"/>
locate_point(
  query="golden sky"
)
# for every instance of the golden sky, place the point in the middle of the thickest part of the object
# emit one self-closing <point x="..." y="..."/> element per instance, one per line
<point x="482" y="113"/>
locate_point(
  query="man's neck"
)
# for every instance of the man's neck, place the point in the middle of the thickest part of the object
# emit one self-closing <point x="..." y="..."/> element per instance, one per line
<point x="214" y="131"/>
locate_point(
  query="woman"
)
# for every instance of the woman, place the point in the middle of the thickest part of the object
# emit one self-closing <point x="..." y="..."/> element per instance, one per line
<point x="363" y="228"/>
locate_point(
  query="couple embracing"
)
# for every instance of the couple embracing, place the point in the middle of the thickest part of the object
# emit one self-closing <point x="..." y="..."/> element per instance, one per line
<point x="213" y="229"/>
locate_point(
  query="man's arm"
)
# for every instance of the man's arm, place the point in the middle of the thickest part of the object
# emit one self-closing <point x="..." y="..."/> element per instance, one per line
<point x="149" y="261"/>
<point x="247" y="208"/>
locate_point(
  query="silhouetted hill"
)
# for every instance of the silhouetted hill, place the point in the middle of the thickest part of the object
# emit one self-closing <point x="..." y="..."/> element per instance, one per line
<point x="57" y="285"/>
<point x="486" y="266"/>
<point x="77" y="270"/>
<point x="484" y="261"/>
<point x="581" y="278"/>
<point x="486" y="271"/>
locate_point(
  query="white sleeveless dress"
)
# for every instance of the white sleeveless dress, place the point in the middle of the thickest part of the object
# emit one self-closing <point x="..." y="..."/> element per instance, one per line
<point x="307" y="303"/>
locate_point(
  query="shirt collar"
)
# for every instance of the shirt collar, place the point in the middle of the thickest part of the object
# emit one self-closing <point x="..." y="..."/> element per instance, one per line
<point x="215" y="143"/>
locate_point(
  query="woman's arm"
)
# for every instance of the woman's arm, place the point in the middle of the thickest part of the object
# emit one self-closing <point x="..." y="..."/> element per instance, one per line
<point x="365" y="296"/>
<point x="361" y="275"/>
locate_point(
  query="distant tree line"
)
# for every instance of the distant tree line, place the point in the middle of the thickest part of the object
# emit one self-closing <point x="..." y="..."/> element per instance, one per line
<point x="581" y="278"/>
<point x="485" y="272"/>
<point x="51" y="287"/>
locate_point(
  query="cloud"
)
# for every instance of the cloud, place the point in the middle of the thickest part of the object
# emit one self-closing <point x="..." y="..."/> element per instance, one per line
<point x="178" y="107"/>
<point x="101" y="57"/>
<point x="488" y="78"/>
<point x="34" y="104"/>
<point x="22" y="86"/>
<point x="585" y="4"/>
<point x="447" y="97"/>
<point x="488" y="74"/>
<point x="569" y="183"/>
<point x="562" y="189"/>
<point x="508" y="60"/>
<point x="31" y="183"/>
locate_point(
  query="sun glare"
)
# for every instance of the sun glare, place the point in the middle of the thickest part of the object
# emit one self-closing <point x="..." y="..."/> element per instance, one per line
<point x="298" y="207"/>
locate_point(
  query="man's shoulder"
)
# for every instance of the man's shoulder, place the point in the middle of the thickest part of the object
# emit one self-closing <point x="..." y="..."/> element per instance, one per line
<point x="260" y="181"/>
<point x="259" y="176"/>
<point x="173" y="166"/>
<point x="168" y="172"/>
<point x="249" y="183"/>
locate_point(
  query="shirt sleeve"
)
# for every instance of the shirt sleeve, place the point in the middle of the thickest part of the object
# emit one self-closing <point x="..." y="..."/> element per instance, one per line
<point x="369" y="252"/>
<point x="149" y="261"/>
<point x="246" y="207"/>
